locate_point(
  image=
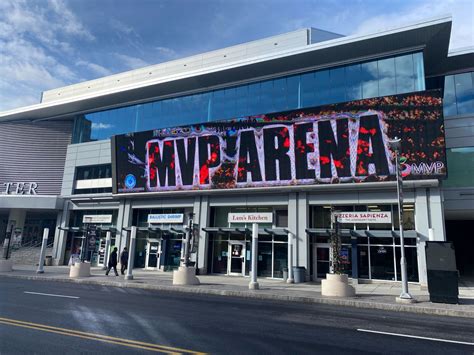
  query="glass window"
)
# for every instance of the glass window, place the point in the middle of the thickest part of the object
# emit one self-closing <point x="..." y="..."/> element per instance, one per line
<point x="370" y="80"/>
<point x="337" y="82"/>
<point x="464" y="93"/>
<point x="280" y="259"/>
<point x="386" y="76"/>
<point x="419" y="71"/>
<point x="322" y="89"/>
<point x="412" y="263"/>
<point x="353" y="82"/>
<point x="449" y="102"/>
<point x="460" y="167"/>
<point x="382" y="262"/>
<point x="405" y="78"/>
<point x="386" y="70"/>
<point x="281" y="218"/>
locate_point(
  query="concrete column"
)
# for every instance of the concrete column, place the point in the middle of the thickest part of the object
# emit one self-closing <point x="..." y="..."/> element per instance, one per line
<point x="203" y="220"/>
<point x="422" y="225"/>
<point x="253" y="285"/>
<point x="131" y="253"/>
<point x="302" y="239"/>
<point x="60" y="237"/>
<point x="43" y="251"/>
<point x="293" y="223"/>
<point x="436" y="210"/>
<point x="108" y="240"/>
<point x="124" y="220"/>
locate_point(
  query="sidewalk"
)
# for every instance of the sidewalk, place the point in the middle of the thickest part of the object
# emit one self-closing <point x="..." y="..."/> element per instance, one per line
<point x="370" y="296"/>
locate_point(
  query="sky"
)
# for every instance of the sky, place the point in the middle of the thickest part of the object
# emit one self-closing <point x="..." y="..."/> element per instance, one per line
<point x="46" y="44"/>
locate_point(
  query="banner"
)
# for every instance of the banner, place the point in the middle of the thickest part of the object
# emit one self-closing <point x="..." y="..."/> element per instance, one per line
<point x="338" y="143"/>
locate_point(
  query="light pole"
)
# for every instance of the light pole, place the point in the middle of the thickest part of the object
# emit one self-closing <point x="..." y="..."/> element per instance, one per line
<point x="395" y="145"/>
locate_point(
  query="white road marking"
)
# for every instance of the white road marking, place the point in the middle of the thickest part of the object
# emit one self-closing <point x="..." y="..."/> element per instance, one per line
<point x="49" y="294"/>
<point x="416" y="337"/>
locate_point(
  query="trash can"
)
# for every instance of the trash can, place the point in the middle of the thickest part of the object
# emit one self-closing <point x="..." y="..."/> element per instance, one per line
<point x="48" y="261"/>
<point x="299" y="274"/>
<point x="285" y="273"/>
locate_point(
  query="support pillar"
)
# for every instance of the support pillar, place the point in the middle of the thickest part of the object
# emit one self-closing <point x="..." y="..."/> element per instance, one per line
<point x="253" y="285"/>
<point x="108" y="240"/>
<point x="131" y="253"/>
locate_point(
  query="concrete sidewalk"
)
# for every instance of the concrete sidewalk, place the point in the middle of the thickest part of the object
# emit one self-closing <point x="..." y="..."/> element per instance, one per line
<point x="370" y="296"/>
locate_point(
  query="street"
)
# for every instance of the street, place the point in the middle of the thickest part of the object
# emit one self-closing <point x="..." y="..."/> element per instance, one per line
<point x="39" y="317"/>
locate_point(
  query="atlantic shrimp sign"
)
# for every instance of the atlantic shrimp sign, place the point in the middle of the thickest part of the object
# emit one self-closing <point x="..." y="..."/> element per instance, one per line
<point x="340" y="143"/>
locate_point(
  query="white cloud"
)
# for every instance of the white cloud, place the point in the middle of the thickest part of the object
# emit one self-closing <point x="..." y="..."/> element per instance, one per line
<point x="462" y="12"/>
<point x="131" y="62"/>
<point x="35" y="43"/>
<point x="96" y="68"/>
<point x="166" y="52"/>
<point x="100" y="125"/>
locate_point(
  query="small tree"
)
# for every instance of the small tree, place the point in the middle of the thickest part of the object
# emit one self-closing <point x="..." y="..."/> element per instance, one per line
<point x="336" y="262"/>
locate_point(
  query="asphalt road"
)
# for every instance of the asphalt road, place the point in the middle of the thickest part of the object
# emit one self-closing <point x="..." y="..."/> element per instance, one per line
<point x="119" y="320"/>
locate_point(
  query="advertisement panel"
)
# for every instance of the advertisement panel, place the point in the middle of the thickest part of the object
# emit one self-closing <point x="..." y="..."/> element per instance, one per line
<point x="339" y="143"/>
<point x="166" y="218"/>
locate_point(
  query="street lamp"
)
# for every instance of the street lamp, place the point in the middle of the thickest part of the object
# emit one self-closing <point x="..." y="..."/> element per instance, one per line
<point x="395" y="145"/>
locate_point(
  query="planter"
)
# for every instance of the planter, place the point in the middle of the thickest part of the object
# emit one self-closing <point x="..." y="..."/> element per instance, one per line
<point x="337" y="286"/>
<point x="6" y="265"/>
<point x="80" y="270"/>
<point x="185" y="276"/>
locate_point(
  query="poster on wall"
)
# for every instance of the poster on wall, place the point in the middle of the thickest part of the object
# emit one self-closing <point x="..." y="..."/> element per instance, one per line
<point x="339" y="143"/>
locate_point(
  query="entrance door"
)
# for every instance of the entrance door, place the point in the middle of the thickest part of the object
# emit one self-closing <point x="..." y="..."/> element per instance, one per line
<point x="152" y="253"/>
<point x="236" y="259"/>
<point x="321" y="260"/>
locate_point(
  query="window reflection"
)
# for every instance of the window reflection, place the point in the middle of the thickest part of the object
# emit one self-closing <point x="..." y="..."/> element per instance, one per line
<point x="459" y="94"/>
<point x="381" y="77"/>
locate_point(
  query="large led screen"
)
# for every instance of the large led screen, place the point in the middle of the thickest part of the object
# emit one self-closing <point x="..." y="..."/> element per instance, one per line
<point x="340" y="143"/>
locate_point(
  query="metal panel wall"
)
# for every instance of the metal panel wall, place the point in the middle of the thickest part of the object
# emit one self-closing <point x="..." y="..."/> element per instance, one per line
<point x="34" y="152"/>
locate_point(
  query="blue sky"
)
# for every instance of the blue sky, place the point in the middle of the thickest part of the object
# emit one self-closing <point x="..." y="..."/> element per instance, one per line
<point x="46" y="44"/>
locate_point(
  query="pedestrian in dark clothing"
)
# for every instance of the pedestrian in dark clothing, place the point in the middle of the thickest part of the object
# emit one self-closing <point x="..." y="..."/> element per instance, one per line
<point x="124" y="260"/>
<point x="112" y="262"/>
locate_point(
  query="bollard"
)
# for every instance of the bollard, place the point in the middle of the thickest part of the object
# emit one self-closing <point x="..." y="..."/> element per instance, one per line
<point x="290" y="259"/>
<point x="131" y="253"/>
<point x="253" y="285"/>
<point x="107" y="250"/>
<point x="43" y="251"/>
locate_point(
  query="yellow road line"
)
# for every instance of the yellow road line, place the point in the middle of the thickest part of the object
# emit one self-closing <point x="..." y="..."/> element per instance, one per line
<point x="98" y="337"/>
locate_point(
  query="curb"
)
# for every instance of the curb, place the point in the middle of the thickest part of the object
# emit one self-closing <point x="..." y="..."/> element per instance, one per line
<point x="346" y="302"/>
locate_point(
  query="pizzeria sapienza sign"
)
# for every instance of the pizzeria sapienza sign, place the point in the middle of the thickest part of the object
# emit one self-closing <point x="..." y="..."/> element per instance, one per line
<point x="250" y="217"/>
<point x="166" y="218"/>
<point x="99" y="218"/>
<point x="364" y="217"/>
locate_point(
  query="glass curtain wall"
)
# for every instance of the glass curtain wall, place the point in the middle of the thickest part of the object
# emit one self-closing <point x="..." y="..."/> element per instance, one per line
<point x="378" y="257"/>
<point x="272" y="249"/>
<point x="394" y="75"/>
<point x="171" y="242"/>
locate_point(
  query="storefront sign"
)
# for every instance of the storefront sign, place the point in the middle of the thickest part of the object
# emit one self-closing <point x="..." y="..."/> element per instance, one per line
<point x="364" y="217"/>
<point x="346" y="142"/>
<point x="19" y="188"/>
<point x="100" y="218"/>
<point x="166" y="218"/>
<point x="250" y="218"/>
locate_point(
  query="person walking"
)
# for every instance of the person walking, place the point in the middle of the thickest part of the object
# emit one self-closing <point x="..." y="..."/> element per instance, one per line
<point x="123" y="260"/>
<point x="112" y="262"/>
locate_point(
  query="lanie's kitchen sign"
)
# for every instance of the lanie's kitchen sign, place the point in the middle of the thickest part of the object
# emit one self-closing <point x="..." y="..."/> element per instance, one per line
<point x="364" y="217"/>
<point x="250" y="217"/>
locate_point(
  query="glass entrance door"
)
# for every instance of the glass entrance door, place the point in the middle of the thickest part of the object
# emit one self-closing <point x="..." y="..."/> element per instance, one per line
<point x="152" y="253"/>
<point x="236" y="259"/>
<point x="321" y="259"/>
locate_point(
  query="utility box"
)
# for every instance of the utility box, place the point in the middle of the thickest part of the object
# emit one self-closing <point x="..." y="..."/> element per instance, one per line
<point x="442" y="272"/>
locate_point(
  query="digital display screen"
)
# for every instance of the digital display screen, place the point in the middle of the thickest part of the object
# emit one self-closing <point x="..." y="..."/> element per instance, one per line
<point x="338" y="143"/>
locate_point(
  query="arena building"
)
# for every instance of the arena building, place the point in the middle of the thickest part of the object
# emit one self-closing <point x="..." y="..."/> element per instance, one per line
<point x="292" y="127"/>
